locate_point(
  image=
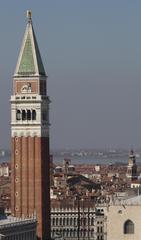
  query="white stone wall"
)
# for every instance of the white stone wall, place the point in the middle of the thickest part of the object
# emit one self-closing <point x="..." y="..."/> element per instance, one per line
<point x="116" y="217"/>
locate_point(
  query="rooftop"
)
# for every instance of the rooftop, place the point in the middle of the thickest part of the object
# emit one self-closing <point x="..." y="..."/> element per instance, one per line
<point x="29" y="61"/>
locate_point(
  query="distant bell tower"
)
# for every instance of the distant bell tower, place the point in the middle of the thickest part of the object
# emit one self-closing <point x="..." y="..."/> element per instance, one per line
<point x="132" y="167"/>
<point x="30" y="136"/>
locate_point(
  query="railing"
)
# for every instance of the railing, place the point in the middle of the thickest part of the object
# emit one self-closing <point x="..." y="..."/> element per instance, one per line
<point x="14" y="222"/>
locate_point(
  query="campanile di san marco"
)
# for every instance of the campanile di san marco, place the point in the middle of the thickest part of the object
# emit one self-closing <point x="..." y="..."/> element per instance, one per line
<point x="30" y="136"/>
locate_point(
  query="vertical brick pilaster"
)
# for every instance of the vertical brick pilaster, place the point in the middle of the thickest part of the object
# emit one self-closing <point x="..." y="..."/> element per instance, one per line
<point x="25" y="176"/>
<point x="12" y="177"/>
<point x="31" y="175"/>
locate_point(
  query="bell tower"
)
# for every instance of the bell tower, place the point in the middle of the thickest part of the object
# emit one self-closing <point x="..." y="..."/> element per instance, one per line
<point x="132" y="167"/>
<point x="30" y="136"/>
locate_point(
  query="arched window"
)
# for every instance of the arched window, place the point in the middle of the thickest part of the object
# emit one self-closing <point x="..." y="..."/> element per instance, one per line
<point x="84" y="232"/>
<point x="70" y="221"/>
<point x="53" y="232"/>
<point x="84" y="221"/>
<point x="71" y="233"/>
<point x="92" y="232"/>
<point x="60" y="221"/>
<point x="18" y="115"/>
<point x="56" y="221"/>
<point x="92" y="221"/>
<point x="33" y="115"/>
<point x="81" y="232"/>
<point x="23" y="115"/>
<point x="64" y="222"/>
<point x="64" y="232"/>
<point x="67" y="221"/>
<point x="67" y="235"/>
<point x="75" y="233"/>
<point x="28" y="114"/>
<point x="53" y="222"/>
<point x="128" y="227"/>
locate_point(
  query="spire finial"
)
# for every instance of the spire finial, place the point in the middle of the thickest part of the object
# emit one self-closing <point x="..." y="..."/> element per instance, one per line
<point x="29" y="15"/>
<point x="132" y="151"/>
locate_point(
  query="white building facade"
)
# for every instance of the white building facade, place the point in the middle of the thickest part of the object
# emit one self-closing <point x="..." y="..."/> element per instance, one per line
<point x="18" y="229"/>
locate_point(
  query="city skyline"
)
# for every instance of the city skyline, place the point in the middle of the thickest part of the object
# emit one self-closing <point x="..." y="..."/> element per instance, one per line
<point x="92" y="54"/>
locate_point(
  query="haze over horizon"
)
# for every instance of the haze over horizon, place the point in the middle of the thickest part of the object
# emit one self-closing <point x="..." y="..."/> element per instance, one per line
<point x="92" y="53"/>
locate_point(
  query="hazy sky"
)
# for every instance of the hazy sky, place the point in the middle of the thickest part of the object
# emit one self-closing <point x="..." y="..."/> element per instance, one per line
<point x="91" y="50"/>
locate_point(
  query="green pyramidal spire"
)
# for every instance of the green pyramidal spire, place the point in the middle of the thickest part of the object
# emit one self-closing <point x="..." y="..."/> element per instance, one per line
<point x="29" y="61"/>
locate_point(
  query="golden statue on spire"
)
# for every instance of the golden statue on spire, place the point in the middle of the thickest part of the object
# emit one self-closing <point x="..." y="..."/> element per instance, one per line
<point x="29" y="15"/>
